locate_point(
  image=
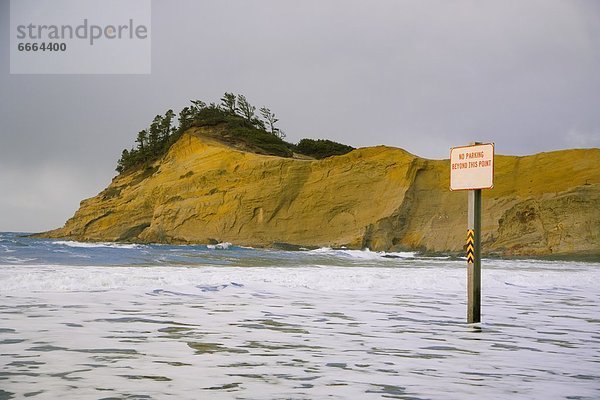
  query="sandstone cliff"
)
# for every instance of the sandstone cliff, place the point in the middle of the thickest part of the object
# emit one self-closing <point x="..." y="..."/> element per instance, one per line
<point x="379" y="197"/>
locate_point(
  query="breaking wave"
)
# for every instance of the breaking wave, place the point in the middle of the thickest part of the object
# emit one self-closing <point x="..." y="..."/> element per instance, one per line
<point x="98" y="245"/>
<point x="365" y="254"/>
<point x="219" y="246"/>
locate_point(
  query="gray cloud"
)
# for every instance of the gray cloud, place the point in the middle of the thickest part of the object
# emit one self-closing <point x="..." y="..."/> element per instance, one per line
<point x="421" y="75"/>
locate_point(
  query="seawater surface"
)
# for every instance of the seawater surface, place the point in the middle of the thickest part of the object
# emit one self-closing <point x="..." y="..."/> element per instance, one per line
<point x="115" y="321"/>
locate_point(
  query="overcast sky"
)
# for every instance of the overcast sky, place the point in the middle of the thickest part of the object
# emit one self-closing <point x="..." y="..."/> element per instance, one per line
<point x="420" y="75"/>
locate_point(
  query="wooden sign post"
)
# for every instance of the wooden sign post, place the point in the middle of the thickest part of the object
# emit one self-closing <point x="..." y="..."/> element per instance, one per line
<point x="472" y="169"/>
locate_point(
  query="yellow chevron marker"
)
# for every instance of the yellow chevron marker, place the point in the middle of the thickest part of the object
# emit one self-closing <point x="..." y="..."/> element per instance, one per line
<point x="470" y="246"/>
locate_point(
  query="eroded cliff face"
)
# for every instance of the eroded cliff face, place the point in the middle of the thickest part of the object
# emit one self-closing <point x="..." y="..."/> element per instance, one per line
<point x="379" y="197"/>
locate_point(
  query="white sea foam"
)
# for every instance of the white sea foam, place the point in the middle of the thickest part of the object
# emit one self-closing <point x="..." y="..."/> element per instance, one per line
<point x="62" y="278"/>
<point x="16" y="260"/>
<point x="439" y="277"/>
<point x="219" y="246"/>
<point x="260" y="332"/>
<point x="97" y="244"/>
<point x="365" y="254"/>
<point x="5" y="249"/>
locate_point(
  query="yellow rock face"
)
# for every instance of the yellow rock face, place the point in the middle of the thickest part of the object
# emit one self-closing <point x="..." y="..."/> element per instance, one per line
<point x="379" y="197"/>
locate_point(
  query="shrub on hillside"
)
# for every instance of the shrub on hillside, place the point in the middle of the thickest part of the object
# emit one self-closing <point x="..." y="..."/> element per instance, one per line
<point x="322" y="148"/>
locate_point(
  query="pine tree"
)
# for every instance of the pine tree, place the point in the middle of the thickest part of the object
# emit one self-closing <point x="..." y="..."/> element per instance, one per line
<point x="165" y="127"/>
<point x="229" y="103"/>
<point x="197" y="106"/>
<point x="184" y="119"/>
<point x="246" y="109"/>
<point x="154" y="136"/>
<point x="142" y="139"/>
<point x="123" y="162"/>
<point x="271" y="120"/>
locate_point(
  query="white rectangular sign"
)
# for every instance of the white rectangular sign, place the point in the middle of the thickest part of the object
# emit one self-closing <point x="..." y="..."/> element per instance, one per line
<point x="472" y="167"/>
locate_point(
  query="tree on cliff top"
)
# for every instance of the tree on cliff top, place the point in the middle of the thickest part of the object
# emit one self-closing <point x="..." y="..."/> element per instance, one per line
<point x="229" y="103"/>
<point x="271" y="120"/>
<point x="241" y="124"/>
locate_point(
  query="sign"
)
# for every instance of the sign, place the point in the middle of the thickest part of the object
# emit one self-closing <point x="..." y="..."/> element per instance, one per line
<point x="472" y="167"/>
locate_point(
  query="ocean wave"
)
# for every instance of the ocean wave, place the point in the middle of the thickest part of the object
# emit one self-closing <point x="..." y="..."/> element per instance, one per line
<point x="60" y="278"/>
<point x="6" y="249"/>
<point x="98" y="245"/>
<point x="219" y="246"/>
<point x="16" y="260"/>
<point x="365" y="254"/>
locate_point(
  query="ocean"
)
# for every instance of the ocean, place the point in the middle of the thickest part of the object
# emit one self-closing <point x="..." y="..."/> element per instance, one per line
<point x="124" y="321"/>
